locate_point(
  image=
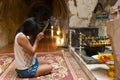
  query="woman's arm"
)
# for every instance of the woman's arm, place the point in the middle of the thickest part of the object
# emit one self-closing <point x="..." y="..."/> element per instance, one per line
<point x="25" y="44"/>
<point x="38" y="38"/>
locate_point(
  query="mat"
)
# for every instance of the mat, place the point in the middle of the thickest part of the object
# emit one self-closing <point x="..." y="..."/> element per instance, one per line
<point x="64" y="72"/>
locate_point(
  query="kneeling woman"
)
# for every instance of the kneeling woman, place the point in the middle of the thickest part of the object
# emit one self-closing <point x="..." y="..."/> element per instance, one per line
<point x="27" y="65"/>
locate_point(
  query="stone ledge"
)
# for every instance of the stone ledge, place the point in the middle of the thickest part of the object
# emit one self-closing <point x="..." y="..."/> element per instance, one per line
<point x="93" y="71"/>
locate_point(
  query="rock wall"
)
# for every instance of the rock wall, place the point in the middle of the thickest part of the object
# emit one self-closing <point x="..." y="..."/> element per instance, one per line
<point x="3" y="36"/>
<point x="3" y="31"/>
<point x="12" y="14"/>
<point x="81" y="13"/>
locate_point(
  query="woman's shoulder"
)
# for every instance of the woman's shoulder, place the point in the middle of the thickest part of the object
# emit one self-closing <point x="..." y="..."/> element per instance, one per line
<point x="20" y="34"/>
<point x="22" y="40"/>
<point x="21" y="37"/>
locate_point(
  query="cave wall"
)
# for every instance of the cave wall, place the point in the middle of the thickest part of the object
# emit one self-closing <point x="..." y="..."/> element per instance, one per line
<point x="3" y="31"/>
<point x="81" y="13"/>
<point x="12" y="13"/>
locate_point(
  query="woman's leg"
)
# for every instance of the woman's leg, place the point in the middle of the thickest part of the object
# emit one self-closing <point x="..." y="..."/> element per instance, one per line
<point x="43" y="69"/>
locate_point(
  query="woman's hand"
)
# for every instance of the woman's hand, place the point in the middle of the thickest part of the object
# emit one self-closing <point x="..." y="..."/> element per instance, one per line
<point x="40" y="36"/>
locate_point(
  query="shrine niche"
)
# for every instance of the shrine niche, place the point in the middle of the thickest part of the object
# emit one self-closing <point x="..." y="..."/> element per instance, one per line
<point x="99" y="12"/>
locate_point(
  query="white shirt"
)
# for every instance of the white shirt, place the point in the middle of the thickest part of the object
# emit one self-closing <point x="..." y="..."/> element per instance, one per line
<point x="22" y="60"/>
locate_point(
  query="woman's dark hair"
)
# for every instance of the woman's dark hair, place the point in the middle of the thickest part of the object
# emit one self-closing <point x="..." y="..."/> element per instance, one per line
<point x="29" y="28"/>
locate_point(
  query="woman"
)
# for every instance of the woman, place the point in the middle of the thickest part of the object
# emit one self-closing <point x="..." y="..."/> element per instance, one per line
<point x="27" y="65"/>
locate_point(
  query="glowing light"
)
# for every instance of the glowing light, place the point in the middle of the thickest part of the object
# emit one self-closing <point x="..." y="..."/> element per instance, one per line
<point x="51" y="27"/>
<point x="58" y="32"/>
<point x="62" y="40"/>
<point x="52" y="32"/>
<point x="59" y="41"/>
